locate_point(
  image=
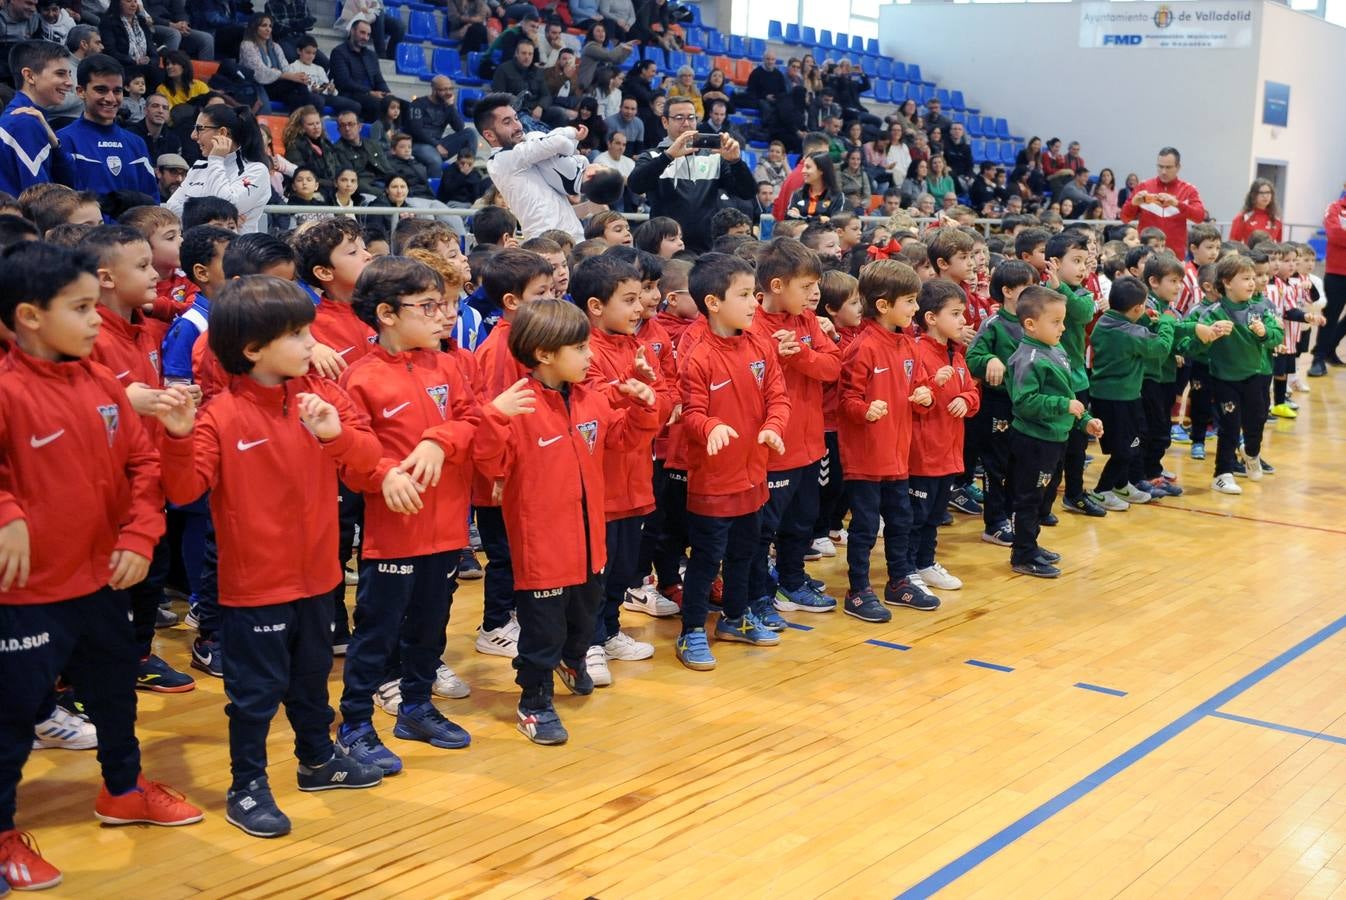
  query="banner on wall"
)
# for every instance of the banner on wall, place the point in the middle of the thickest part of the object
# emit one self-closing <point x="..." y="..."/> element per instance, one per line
<point x="1191" y="25"/>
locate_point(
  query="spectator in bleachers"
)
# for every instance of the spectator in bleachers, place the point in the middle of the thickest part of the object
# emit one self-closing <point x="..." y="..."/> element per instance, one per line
<point x="1032" y="152"/>
<point x="596" y="52"/>
<point x="847" y="85"/>
<point x="584" y="13"/>
<point x="1076" y="190"/>
<point x="518" y="76"/>
<point x="794" y="73"/>
<point x="153" y="129"/>
<point x="761" y="203"/>
<point x="82" y="41"/>
<point x="813" y="76"/>
<point x="619" y="15"/>
<point x="772" y="167"/>
<point x="290" y="22"/>
<point x="128" y="37"/>
<point x="180" y="83"/>
<point x="107" y="157"/>
<point x="853" y="136"/>
<point x="909" y="114"/>
<point x="527" y="28"/>
<point x="437" y="128"/>
<point x="467" y="24"/>
<point x="935" y="118"/>
<point x="562" y="80"/>
<point x="308" y="147"/>
<point x="365" y="157"/>
<point x="654" y="27"/>
<point x="1105" y="193"/>
<point x="314" y="68"/>
<point x="934" y="139"/>
<point x="899" y="157"/>
<point x="403" y="164"/>
<point x="639" y="86"/>
<point x="766" y="84"/>
<point x="913" y="185"/>
<point x="19" y="20"/>
<point x="628" y="124"/>
<point x="958" y="154"/>
<point x="56" y="21"/>
<point x="597" y="137"/>
<point x="233" y="165"/>
<point x="836" y="145"/>
<point x="984" y="189"/>
<point x="1259" y="212"/>
<point x="685" y="89"/>
<point x="939" y="181"/>
<point x="387" y="27"/>
<point x="391" y="120"/>
<point x="554" y="40"/>
<point x="820" y="196"/>
<point x="462" y="184"/>
<point x="812" y="142"/>
<point x="1053" y="160"/>
<point x="924" y="205"/>
<point x="1132" y="180"/>
<point x="717" y="87"/>
<point x="173" y="31"/>
<point x="854" y="179"/>
<point x="170" y="169"/>
<point x="823" y="107"/>
<point x="615" y="157"/>
<point x="606" y="90"/>
<point x="266" y="60"/>
<point x="787" y="122"/>
<point x="355" y="69"/>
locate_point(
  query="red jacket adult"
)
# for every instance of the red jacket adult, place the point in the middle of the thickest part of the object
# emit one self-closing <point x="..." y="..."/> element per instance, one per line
<point x="1245" y="223"/>
<point x="880" y="365"/>
<point x="1171" y="220"/>
<point x="937" y="438"/>
<point x="816" y="364"/>
<point x="628" y="474"/>
<point x="499" y="369"/>
<point x="551" y="461"/>
<point x="419" y="395"/>
<point x="273" y="486"/>
<point x="337" y="326"/>
<point x="732" y="381"/>
<point x="1334" y="223"/>
<point x="79" y="469"/>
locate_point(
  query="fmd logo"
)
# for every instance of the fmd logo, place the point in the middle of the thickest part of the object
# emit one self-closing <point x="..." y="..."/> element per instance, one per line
<point x="1121" y="40"/>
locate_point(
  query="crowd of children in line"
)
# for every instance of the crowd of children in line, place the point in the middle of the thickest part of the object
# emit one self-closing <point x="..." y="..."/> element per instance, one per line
<point x="592" y="411"/>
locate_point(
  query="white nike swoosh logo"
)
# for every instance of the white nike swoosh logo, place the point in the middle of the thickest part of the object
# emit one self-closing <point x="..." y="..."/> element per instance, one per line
<point x="344" y="352"/>
<point x="389" y="413"/>
<point x="548" y="442"/>
<point x="248" y="445"/>
<point x="716" y="387"/>
<point x="36" y="441"/>
<point x="882" y="370"/>
<point x="120" y="375"/>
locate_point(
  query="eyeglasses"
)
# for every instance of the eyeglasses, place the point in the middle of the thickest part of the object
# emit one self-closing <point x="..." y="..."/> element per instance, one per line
<point x="429" y="308"/>
<point x="199" y="128"/>
<point x="1261" y="191"/>
<point x="683" y="120"/>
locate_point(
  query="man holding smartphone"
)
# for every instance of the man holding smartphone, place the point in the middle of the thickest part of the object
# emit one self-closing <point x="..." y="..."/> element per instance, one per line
<point x="683" y="177"/>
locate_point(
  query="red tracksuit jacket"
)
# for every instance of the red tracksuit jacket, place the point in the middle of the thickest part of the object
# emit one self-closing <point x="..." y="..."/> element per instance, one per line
<point x="77" y="465"/>
<point x="273" y="486"/>
<point x="816" y="364"/>
<point x="552" y="463"/>
<point x="207" y="373"/>
<point x="628" y="475"/>
<point x="832" y="390"/>
<point x="499" y="369"/>
<point x="1334" y="223"/>
<point x="660" y="345"/>
<point x="733" y="381"/>
<point x="130" y="349"/>
<point x="677" y="434"/>
<point x="880" y="365"/>
<point x="337" y="326"/>
<point x="674" y="325"/>
<point x="937" y="438"/>
<point x="173" y="297"/>
<point x="1171" y="220"/>
<point x="410" y="397"/>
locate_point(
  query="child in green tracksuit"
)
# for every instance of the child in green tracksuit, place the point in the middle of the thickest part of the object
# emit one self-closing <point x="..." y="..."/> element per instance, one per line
<point x="1126" y="342"/>
<point x="1237" y="366"/>
<point x="1046" y="413"/>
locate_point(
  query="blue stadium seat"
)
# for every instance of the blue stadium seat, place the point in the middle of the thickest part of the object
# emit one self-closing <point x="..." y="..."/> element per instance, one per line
<point x="1002" y="129"/>
<point x="883" y="91"/>
<point x="330" y="126"/>
<point x="956" y="100"/>
<point x="885" y="68"/>
<point x="792" y="34"/>
<point x="738" y="47"/>
<point x="1008" y="153"/>
<point x="715" y="43"/>
<point x="924" y="92"/>
<point x="775" y="31"/>
<point x="467" y="99"/>
<point x="857" y="45"/>
<point x="750" y="158"/>
<point x="942" y="95"/>
<point x="900" y="71"/>
<point x="973" y="126"/>
<point x="701" y="64"/>
<point x="693" y="35"/>
<point x="792" y="159"/>
<point x="869" y="65"/>
<point x="841" y="41"/>
<point x="914" y="75"/>
<point x="695" y="10"/>
<point x="445" y="62"/>
<point x="872" y="46"/>
<point x="756" y="49"/>
<point x="978" y="150"/>
<point x="411" y="60"/>
<point x="423" y="26"/>
<point x="808" y="36"/>
<point x="434" y="185"/>
<point x="958" y="119"/>
<point x="988" y="126"/>
<point x="677" y="59"/>
<point x="824" y="39"/>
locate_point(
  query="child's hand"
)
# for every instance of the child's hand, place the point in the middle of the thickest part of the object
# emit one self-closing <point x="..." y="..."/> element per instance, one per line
<point x="327" y="362"/>
<point x="1178" y="360"/>
<point x="826" y="327"/>
<point x="877" y="410"/>
<point x="966" y="335"/>
<point x="1076" y="408"/>
<point x="957" y="407"/>
<point x="675" y="415"/>
<point x="127" y="569"/>
<point x="720" y="436"/>
<point x="1094" y="427"/>
<point x="644" y="371"/>
<point x="517" y="399"/>
<point x="1205" y="333"/>
<point x="771" y="439"/>
<point x="1053" y="280"/>
<point x="14" y="555"/>
<point x="401" y="493"/>
<point x="943" y="375"/>
<point x="1257" y="328"/>
<point x="1318" y="319"/>
<point x="995" y="372"/>
<point x="320" y="416"/>
<point x="194" y="390"/>
<point x="638" y="391"/>
<point x="148" y="401"/>
<point x="424" y="464"/>
<point x="788" y="346"/>
<point x="497" y="492"/>
<point x="922" y="396"/>
<point x="178" y="417"/>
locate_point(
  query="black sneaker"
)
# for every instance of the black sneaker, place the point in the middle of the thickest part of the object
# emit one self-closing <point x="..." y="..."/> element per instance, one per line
<point x="1049" y="520"/>
<point x="538" y="719"/>
<point x="865" y="606"/>
<point x="254" y="811"/>
<point x="904" y="593"/>
<point x="1047" y="556"/>
<point x="468" y="567"/>
<point x="164" y="617"/>
<point x="1037" y="569"/>
<point x="961" y="501"/>
<point x="575" y="678"/>
<point x="1240" y="469"/>
<point x="1267" y="468"/>
<point x="1084" y="506"/>
<point x="338" y="772"/>
<point x="947" y="520"/>
<point x="1318" y="369"/>
<point x="1001" y="537"/>
<point x="207" y="657"/>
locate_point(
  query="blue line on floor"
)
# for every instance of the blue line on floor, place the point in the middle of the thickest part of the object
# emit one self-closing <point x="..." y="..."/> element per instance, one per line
<point x="985" y="665"/>
<point x="1288" y="729"/>
<point x="799" y="627"/>
<point x="1113" y="692"/>
<point x="889" y="644"/>
<point x="959" y="867"/>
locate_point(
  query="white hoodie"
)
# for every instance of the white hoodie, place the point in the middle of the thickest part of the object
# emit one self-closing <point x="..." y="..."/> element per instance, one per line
<point x="532" y="176"/>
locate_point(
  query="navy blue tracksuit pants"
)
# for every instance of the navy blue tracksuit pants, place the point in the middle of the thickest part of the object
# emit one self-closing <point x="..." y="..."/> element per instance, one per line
<point x="716" y="540"/>
<point x="929" y="499"/>
<point x="623" y="542"/>
<point x="554" y="625"/>
<point x="871" y="501"/>
<point x="787" y="522"/>
<point x="498" y="587"/>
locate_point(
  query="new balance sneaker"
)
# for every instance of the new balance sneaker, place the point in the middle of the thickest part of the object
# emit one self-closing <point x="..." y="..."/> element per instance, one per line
<point x="164" y="617"/>
<point x="207" y="657"/>
<point x="1049" y="521"/>
<point x="1162" y="487"/>
<point x="502" y="641"/>
<point x="938" y="577"/>
<point x="468" y="567"/>
<point x="1001" y="537"/>
<point x="910" y="592"/>
<point x="764" y="610"/>
<point x="1225" y="484"/>
<point x="22" y="865"/>
<point x="156" y="675"/>
<point x="1110" y="501"/>
<point x="447" y="684"/>
<point x="339" y="772"/>
<point x="693" y="651"/>
<point x="805" y="598"/>
<point x="745" y="630"/>
<point x="1047" y="556"/>
<point x="1133" y="494"/>
<point x="1254" y="466"/>
<point x="626" y="648"/>
<point x="962" y="501"/>
<point x="389" y="696"/>
<point x="1284" y="411"/>
<point x="361" y="744"/>
<point x="1037" y="569"/>
<point x="823" y="546"/>
<point x="539" y="722"/>
<point x="253" y="810"/>
<point x="1179" y="435"/>
<point x="596" y="665"/>
<point x="1198" y="451"/>
<point x="1267" y="468"/>
<point x="865" y="606"/>
<point x="65" y="731"/>
<point x="577" y="680"/>
<point x="974" y="491"/>
<point x="1083" y="505"/>
<point x="422" y="722"/>
<point x="647" y="599"/>
<point x="148" y="803"/>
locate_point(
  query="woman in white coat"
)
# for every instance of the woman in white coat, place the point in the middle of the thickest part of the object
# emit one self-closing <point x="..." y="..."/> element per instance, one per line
<point x="233" y="165"/>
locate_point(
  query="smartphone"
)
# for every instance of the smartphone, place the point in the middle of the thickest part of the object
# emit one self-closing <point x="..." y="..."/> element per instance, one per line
<point x="706" y="142"/>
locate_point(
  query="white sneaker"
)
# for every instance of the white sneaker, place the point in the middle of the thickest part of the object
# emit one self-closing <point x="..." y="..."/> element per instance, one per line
<point x="648" y="600"/>
<point x="938" y="577"/>
<point x="448" y="684"/>
<point x="1254" y="466"/>
<point x="1134" y="495"/>
<point x="389" y="696"/>
<point x="65" y="731"/>
<point x="351" y="577"/>
<point x="502" y="641"/>
<point x="1225" y="484"/>
<point x="838" y="537"/>
<point x="1299" y="385"/>
<point x="596" y="661"/>
<point x="626" y="648"/>
<point x="824" y="547"/>
<point x="1110" y="501"/>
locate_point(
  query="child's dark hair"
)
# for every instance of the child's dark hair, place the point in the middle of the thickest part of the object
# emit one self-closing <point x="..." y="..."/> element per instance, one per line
<point x="1127" y="293"/>
<point x="1137" y="255"/>
<point x="422" y="234"/>
<point x="35" y="272"/>
<point x="650" y="235"/>
<point x="598" y="223"/>
<point x="1058" y="245"/>
<point x="253" y="311"/>
<point x="509" y="271"/>
<point x="564" y="238"/>
<point x="49" y="204"/>
<point x="914" y="253"/>
<point x="14" y="229"/>
<point x="105" y="240"/>
<point x="201" y="210"/>
<point x="1153" y="234"/>
<point x="599" y="277"/>
<point x="1209" y="274"/>
<point x="253" y="254"/>
<point x="200" y="245"/>
<point x="492" y="223"/>
<point x="1010" y="274"/>
<point x="711" y="276"/>
<point x="314" y="245"/>
<point x="1201" y="232"/>
<point x="886" y="279"/>
<point x="786" y="258"/>
<point x="726" y="219"/>
<point x="69" y="234"/>
<point x="729" y="243"/>
<point x="1159" y="266"/>
<point x="1034" y="299"/>
<point x="376" y="232"/>
<point x="650" y="267"/>
<point x="946" y="242"/>
<point x="546" y="326"/>
<point x="1228" y="268"/>
<point x="387" y="280"/>
<point x="834" y="289"/>
<point x="674" y="277"/>
<point x="934" y="296"/>
<point x="35" y="55"/>
<point x="477" y="259"/>
<point x="1028" y="240"/>
<point x="813" y="234"/>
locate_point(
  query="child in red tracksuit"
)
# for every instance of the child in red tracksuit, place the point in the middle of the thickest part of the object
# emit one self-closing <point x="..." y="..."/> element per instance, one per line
<point x="881" y="384"/>
<point x="839" y="304"/>
<point x="937" y="438"/>
<point x="273" y="442"/>
<point x="174" y="291"/>
<point x="416" y="503"/>
<point x="734" y="411"/>
<point x="81" y="509"/>
<point x="547" y="437"/>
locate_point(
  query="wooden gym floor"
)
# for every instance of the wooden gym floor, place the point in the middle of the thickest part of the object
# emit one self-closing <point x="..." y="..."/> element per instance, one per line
<point x="1166" y="720"/>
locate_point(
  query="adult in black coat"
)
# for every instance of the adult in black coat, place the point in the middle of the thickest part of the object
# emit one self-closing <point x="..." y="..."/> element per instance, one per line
<point x="356" y="72"/>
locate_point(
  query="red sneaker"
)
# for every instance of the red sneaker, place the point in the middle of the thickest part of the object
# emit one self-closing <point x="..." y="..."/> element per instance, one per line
<point x="717" y="592"/>
<point x="672" y="592"/>
<point x="151" y="803"/>
<point x="22" y="866"/>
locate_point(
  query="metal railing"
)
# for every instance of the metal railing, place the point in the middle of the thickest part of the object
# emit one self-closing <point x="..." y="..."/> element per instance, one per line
<point x="1299" y="232"/>
<point x="394" y="214"/>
